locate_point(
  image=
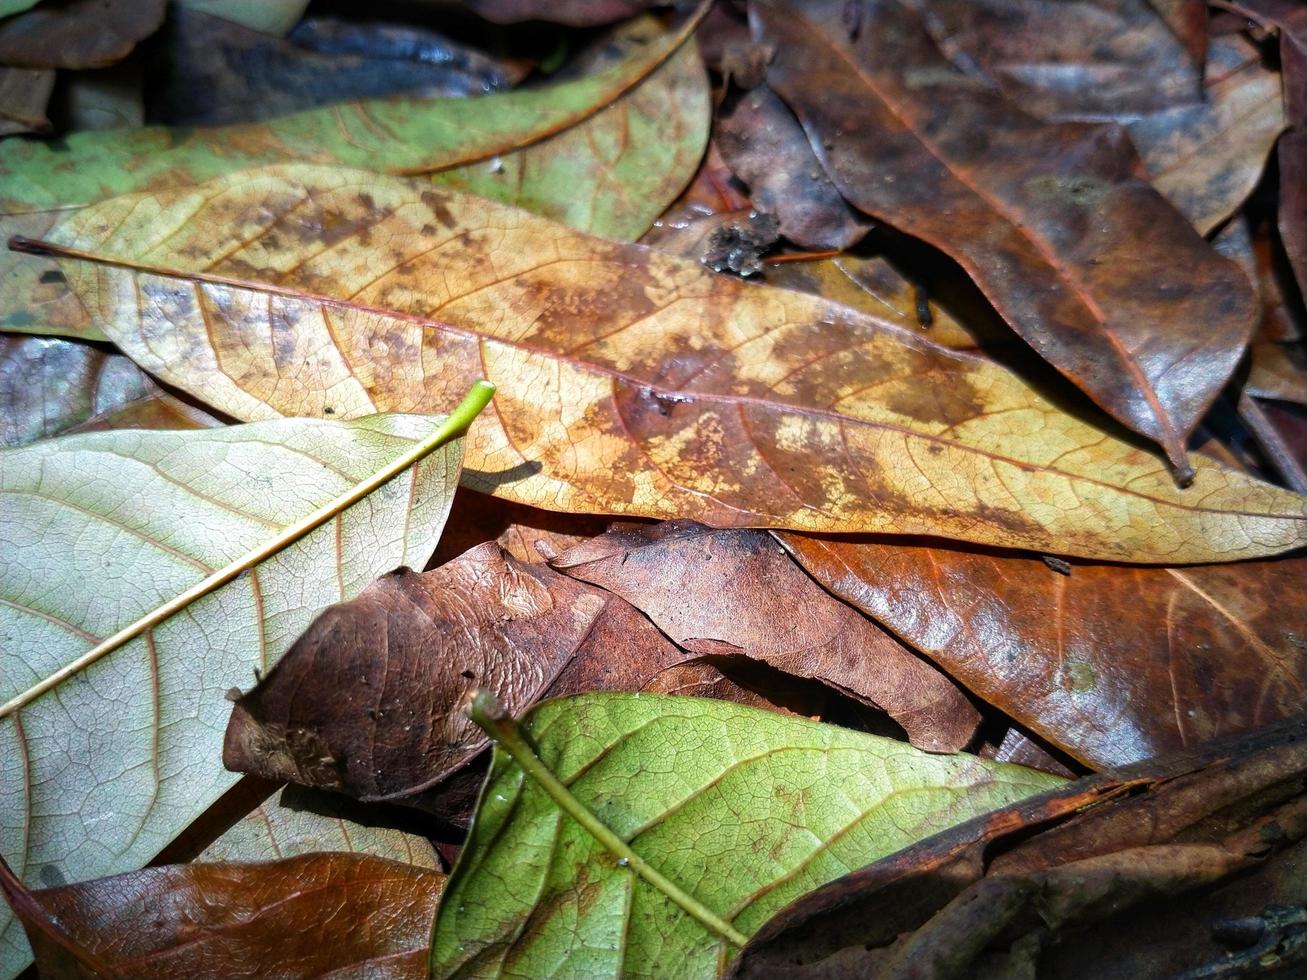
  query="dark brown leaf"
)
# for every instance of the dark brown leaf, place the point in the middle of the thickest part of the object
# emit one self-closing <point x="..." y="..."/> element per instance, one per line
<point x="1085" y="260"/>
<point x="1103" y="59"/>
<point x="767" y="149"/>
<point x="517" y="528"/>
<point x="1137" y="876"/>
<point x="311" y="916"/>
<point x="77" y="33"/>
<point x="1109" y="664"/>
<point x="214" y="71"/>
<point x="737" y="593"/>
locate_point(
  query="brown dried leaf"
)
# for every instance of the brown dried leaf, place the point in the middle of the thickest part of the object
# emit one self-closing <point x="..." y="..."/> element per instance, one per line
<point x="77" y="33"/>
<point x="1086" y="261"/>
<point x="24" y="94"/>
<point x="1207" y="158"/>
<point x="736" y="592"/>
<point x="629" y="382"/>
<point x="1105" y="59"/>
<point x="1109" y="664"/>
<point x="305" y="916"/>
<point x="1144" y="875"/>
<point x="767" y="149"/>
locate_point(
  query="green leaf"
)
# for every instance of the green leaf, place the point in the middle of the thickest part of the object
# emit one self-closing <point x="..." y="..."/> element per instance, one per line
<point x="10" y="7"/>
<point x="41" y="182"/>
<point x="103" y="769"/>
<point x="268" y="16"/>
<point x="742" y="809"/>
<point x="616" y="172"/>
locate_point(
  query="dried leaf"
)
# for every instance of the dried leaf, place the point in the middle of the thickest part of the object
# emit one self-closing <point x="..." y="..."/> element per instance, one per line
<point x="1087" y="262"/>
<point x="24" y="94"/>
<point x="631" y="383"/>
<point x="742" y="809"/>
<point x="1104" y="59"/>
<point x="766" y="147"/>
<point x="39" y="182"/>
<point x="1207" y="158"/>
<point x="48" y="385"/>
<point x="103" y="769"/>
<point x="302" y="917"/>
<point x="1109" y="664"/>
<point x="77" y="33"/>
<point x="1146" y="875"/>
<point x="736" y="592"/>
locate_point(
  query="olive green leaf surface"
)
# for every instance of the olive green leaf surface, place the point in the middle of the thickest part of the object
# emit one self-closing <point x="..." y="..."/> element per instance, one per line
<point x="632" y="382"/>
<point x="742" y="809"/>
<point x="662" y="132"/>
<point x="101" y="771"/>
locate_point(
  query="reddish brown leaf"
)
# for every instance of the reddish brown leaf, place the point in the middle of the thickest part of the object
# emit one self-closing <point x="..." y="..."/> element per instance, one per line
<point x="311" y="916"/>
<point x="1187" y="20"/>
<point x="77" y="33"/>
<point x="1084" y="259"/>
<point x="1092" y="894"/>
<point x="517" y="528"/>
<point x="736" y="592"/>
<point x="766" y="147"/>
<point x="1106" y="59"/>
<point x="1109" y="664"/>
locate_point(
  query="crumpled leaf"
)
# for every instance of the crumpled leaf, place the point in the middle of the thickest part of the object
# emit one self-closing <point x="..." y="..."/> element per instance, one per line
<point x="1207" y="158"/>
<point x="767" y="149"/>
<point x="40" y="182"/>
<point x="212" y="71"/>
<point x="1086" y="261"/>
<point x="304" y="916"/>
<point x="736" y="592"/>
<point x="743" y="809"/>
<point x="1186" y="866"/>
<point x="1109" y="664"/>
<point x="631" y="382"/>
<point x="77" y="33"/>
<point x="1100" y="59"/>
<point x="102" y="770"/>
<point x="48" y="385"/>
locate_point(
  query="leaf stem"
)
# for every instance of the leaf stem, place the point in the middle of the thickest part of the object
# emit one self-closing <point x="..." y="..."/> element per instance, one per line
<point x="454" y="426"/>
<point x="495" y="720"/>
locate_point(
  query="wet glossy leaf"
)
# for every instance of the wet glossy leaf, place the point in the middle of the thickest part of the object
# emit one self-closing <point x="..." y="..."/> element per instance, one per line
<point x="302" y="917"/>
<point x="1207" y="158"/>
<point x="719" y="592"/>
<point x="1102" y="59"/>
<point x="77" y="33"/>
<point x="1086" y="261"/>
<point x="102" y="770"/>
<point x="40" y="182"/>
<point x="631" y="382"/>
<point x="743" y="809"/>
<point x="1183" y="866"/>
<point x="1109" y="664"/>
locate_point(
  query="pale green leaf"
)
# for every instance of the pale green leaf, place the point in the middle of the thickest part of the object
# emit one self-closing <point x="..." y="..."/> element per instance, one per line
<point x="743" y="809"/>
<point x="269" y="16"/>
<point x="10" y="7"/>
<point x="99" y="529"/>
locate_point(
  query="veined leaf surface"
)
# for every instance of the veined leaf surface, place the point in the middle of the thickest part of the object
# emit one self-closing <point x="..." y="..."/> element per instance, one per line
<point x="99" y="529"/>
<point x="631" y="382"/>
<point x="743" y="809"/>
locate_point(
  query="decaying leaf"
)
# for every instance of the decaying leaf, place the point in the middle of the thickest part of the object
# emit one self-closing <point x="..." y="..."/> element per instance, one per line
<point x="766" y="148"/>
<point x="77" y="33"/>
<point x="308" y="916"/>
<point x="1105" y="59"/>
<point x="39" y="181"/>
<point x="1185" y="866"/>
<point x="742" y="809"/>
<point x="24" y="94"/>
<point x="1109" y="664"/>
<point x="49" y="385"/>
<point x="1207" y="158"/>
<point x="736" y="592"/>
<point x="631" y="382"/>
<point x="1086" y="261"/>
<point x="100" y="771"/>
